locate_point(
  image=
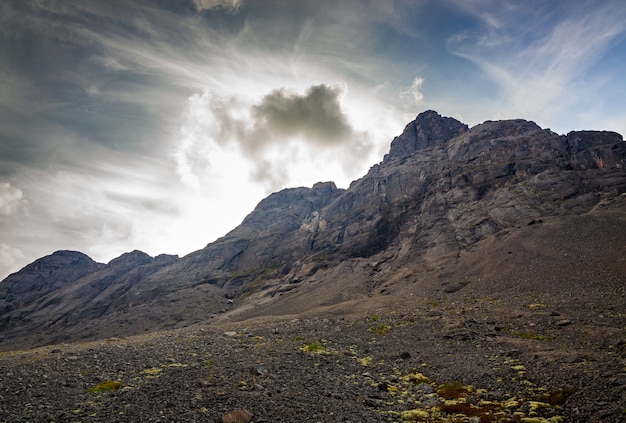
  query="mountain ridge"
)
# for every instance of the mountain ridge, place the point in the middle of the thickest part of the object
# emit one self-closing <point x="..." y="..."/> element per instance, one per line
<point x="442" y="188"/>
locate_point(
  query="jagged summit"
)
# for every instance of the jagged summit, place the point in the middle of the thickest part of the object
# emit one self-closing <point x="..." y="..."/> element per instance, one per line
<point x="428" y="128"/>
<point x="134" y="258"/>
<point x="300" y="202"/>
<point x="56" y="269"/>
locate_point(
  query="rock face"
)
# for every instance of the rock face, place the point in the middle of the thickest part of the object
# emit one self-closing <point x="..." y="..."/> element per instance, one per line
<point x="428" y="129"/>
<point x="22" y="291"/>
<point x="442" y="188"/>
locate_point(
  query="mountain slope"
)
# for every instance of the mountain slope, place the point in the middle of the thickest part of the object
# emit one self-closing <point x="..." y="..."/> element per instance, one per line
<point x="442" y="190"/>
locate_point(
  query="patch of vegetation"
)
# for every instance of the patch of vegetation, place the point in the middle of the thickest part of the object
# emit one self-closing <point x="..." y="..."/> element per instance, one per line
<point x="529" y="335"/>
<point x="450" y="390"/>
<point x="415" y="377"/>
<point x="556" y="397"/>
<point x="108" y="385"/>
<point x="365" y="361"/>
<point x="242" y="274"/>
<point x="314" y="347"/>
<point x="415" y="415"/>
<point x="460" y="406"/>
<point x="381" y="329"/>
<point x="534" y="306"/>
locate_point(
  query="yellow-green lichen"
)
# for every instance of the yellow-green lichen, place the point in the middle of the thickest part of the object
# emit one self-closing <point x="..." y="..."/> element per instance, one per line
<point x="108" y="385"/>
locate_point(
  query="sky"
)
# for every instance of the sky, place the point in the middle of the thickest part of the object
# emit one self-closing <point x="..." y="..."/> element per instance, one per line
<point x="158" y="125"/>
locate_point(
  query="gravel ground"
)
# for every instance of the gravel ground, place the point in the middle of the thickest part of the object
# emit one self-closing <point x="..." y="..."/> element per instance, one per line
<point x="476" y="360"/>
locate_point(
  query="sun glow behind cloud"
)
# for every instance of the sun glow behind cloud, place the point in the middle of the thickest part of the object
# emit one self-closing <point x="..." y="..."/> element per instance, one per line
<point x="160" y="127"/>
<point x="275" y="135"/>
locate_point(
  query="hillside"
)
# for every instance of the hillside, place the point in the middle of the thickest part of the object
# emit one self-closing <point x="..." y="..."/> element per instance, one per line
<point x="442" y="189"/>
<point x="527" y="326"/>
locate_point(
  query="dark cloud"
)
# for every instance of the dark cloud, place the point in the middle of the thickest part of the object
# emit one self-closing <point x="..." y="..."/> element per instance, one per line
<point x="316" y="115"/>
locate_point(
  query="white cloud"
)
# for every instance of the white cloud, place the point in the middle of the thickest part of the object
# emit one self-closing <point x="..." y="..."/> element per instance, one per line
<point x="414" y="93"/>
<point x="11" y="199"/>
<point x="10" y="259"/>
<point x="210" y="4"/>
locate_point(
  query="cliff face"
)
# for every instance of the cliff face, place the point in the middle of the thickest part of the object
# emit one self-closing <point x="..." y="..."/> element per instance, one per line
<point x="447" y="194"/>
<point x="442" y="188"/>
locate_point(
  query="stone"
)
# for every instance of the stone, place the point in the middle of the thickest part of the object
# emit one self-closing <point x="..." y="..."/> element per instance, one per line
<point x="425" y="388"/>
<point x="259" y="370"/>
<point x="237" y="416"/>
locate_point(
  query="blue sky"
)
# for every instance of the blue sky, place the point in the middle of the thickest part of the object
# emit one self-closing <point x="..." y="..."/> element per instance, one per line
<point x="158" y="125"/>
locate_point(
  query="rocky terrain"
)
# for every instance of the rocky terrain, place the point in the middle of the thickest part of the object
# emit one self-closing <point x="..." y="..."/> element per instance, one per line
<point x="474" y="275"/>
<point x="527" y="326"/>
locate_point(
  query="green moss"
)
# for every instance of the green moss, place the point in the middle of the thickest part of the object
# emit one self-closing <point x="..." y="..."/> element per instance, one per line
<point x="415" y="377"/>
<point x="109" y="385"/>
<point x="243" y="274"/>
<point x="365" y="361"/>
<point x="534" y="306"/>
<point x="556" y="397"/>
<point x="314" y="347"/>
<point x="381" y="329"/>
<point x="485" y="411"/>
<point x="415" y="415"/>
<point x="451" y="390"/>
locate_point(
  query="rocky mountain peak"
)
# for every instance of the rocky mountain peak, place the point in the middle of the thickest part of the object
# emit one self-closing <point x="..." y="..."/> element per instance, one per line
<point x="294" y="204"/>
<point x="134" y="258"/>
<point x="505" y="128"/>
<point x="51" y="271"/>
<point x="428" y="128"/>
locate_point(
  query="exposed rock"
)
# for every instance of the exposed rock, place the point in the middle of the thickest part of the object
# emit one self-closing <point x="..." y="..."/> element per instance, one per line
<point x="426" y="130"/>
<point x="441" y="190"/>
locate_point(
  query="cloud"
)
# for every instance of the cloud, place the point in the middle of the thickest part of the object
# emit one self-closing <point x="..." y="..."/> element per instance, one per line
<point x="11" y="199"/>
<point x="538" y="60"/>
<point x="414" y="93"/>
<point x="233" y="5"/>
<point x="273" y="133"/>
<point x="316" y="115"/>
<point x="10" y="258"/>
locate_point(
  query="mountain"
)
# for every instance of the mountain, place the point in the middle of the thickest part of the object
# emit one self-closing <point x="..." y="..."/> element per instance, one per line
<point x="442" y="191"/>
